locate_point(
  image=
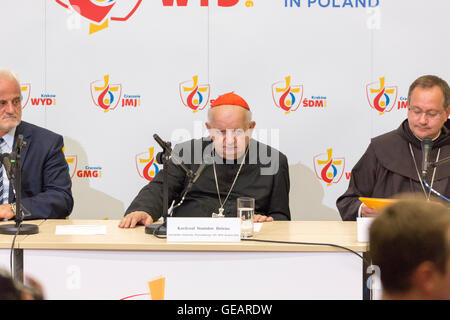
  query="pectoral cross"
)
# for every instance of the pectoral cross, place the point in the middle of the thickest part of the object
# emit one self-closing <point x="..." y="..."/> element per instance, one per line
<point x="219" y="215"/>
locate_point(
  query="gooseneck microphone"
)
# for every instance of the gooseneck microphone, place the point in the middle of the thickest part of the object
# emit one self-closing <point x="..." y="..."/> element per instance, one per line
<point x="5" y="159"/>
<point x="427" y="144"/>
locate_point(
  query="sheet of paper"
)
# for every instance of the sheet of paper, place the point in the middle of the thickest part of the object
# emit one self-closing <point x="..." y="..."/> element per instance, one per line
<point x="257" y="226"/>
<point x="80" y="230"/>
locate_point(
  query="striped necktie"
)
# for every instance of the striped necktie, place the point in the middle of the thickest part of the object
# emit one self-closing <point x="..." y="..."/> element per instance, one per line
<point x="2" y="146"/>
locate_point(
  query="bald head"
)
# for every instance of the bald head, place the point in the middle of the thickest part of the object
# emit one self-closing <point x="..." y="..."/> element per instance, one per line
<point x="226" y="110"/>
<point x="230" y="128"/>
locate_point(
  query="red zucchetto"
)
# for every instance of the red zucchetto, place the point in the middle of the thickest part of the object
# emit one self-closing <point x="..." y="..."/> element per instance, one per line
<point x="230" y="99"/>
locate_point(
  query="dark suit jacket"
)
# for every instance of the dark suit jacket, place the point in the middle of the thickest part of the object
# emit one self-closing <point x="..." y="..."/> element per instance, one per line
<point x="46" y="185"/>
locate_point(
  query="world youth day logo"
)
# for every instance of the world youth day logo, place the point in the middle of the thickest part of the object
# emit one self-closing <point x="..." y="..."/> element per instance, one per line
<point x="381" y="97"/>
<point x="146" y="164"/>
<point x="194" y="95"/>
<point x="72" y="162"/>
<point x="105" y="94"/>
<point x="328" y="168"/>
<point x="287" y="96"/>
<point x="99" y="12"/>
<point x="25" y="91"/>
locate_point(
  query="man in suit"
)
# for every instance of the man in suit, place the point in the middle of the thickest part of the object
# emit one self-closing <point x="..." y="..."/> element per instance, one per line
<point x="46" y="185"/>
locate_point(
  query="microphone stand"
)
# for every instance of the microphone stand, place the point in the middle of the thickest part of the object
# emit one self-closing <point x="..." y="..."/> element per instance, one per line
<point x="163" y="158"/>
<point x="18" y="228"/>
<point x="439" y="163"/>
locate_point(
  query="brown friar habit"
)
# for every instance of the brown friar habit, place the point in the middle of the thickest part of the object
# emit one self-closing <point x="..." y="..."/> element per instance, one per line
<point x="387" y="169"/>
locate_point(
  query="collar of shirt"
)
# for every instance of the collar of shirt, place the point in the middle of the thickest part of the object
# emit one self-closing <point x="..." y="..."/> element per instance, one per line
<point x="9" y="139"/>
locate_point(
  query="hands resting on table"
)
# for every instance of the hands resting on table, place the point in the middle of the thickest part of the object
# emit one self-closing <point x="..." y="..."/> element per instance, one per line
<point x="143" y="218"/>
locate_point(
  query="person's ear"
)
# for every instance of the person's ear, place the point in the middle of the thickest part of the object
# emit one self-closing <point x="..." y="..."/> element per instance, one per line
<point x="424" y="279"/>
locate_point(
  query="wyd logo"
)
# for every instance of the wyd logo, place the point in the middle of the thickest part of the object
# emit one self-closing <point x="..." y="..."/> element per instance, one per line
<point x="156" y="287"/>
<point x="329" y="169"/>
<point x="25" y="91"/>
<point x="286" y="96"/>
<point x="205" y="3"/>
<point x="193" y="95"/>
<point x="106" y="95"/>
<point x="99" y="12"/>
<point x="44" y="100"/>
<point x="381" y="97"/>
<point x="146" y="164"/>
<point x="72" y="161"/>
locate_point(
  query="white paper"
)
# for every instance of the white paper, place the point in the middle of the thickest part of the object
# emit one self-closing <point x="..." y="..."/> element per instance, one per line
<point x="80" y="230"/>
<point x="363" y="225"/>
<point x="203" y="229"/>
<point x="257" y="226"/>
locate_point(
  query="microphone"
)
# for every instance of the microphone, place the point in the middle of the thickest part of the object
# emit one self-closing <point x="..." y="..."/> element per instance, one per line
<point x="199" y="172"/>
<point x="5" y="159"/>
<point x="20" y="143"/>
<point x="427" y="143"/>
<point x="167" y="149"/>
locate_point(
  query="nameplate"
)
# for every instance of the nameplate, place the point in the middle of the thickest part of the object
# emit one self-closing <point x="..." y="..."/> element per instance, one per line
<point x="203" y="230"/>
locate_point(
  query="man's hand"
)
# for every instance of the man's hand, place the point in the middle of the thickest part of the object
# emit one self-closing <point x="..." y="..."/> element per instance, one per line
<point x="368" y="212"/>
<point x="6" y="211"/>
<point x="134" y="218"/>
<point x="262" y="218"/>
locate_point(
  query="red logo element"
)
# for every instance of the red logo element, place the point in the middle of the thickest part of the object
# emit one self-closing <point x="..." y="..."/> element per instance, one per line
<point x="193" y="95"/>
<point x="25" y="91"/>
<point x="380" y="97"/>
<point x="146" y="164"/>
<point x="328" y="169"/>
<point x="97" y="11"/>
<point x="203" y="3"/>
<point x="72" y="162"/>
<point x="286" y="96"/>
<point x="105" y="94"/>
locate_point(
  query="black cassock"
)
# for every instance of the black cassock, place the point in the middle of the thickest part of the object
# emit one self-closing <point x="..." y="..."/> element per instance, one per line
<point x="387" y="169"/>
<point x="264" y="176"/>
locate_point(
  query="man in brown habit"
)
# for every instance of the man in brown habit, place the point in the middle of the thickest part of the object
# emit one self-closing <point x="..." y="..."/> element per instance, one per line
<point x="392" y="162"/>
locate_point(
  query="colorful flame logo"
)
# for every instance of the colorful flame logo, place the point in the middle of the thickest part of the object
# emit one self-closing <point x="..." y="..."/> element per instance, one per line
<point x="97" y="12"/>
<point x="107" y="95"/>
<point x="146" y="164"/>
<point x="195" y="96"/>
<point x="25" y="91"/>
<point x="287" y="97"/>
<point x="330" y="170"/>
<point x="156" y="288"/>
<point x="72" y="161"/>
<point x="380" y="97"/>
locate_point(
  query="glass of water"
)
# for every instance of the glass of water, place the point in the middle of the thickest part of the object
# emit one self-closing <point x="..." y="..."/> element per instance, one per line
<point x="245" y="211"/>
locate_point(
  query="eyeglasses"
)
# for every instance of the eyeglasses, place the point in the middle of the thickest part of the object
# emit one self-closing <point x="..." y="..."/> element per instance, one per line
<point x="430" y="114"/>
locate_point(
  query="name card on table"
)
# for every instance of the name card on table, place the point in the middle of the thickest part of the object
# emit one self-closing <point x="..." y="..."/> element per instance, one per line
<point x="203" y="230"/>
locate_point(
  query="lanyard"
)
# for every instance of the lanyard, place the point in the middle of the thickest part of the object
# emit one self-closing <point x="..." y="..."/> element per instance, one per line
<point x="418" y="174"/>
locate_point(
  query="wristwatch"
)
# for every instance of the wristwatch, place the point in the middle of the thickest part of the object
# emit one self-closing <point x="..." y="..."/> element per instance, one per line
<point x="13" y="207"/>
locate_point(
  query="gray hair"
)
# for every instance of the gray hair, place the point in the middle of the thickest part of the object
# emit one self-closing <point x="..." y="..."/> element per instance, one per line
<point x="8" y="74"/>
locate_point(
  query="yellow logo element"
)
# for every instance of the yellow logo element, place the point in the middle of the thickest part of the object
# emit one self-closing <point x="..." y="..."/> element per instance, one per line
<point x="327" y="170"/>
<point x="157" y="288"/>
